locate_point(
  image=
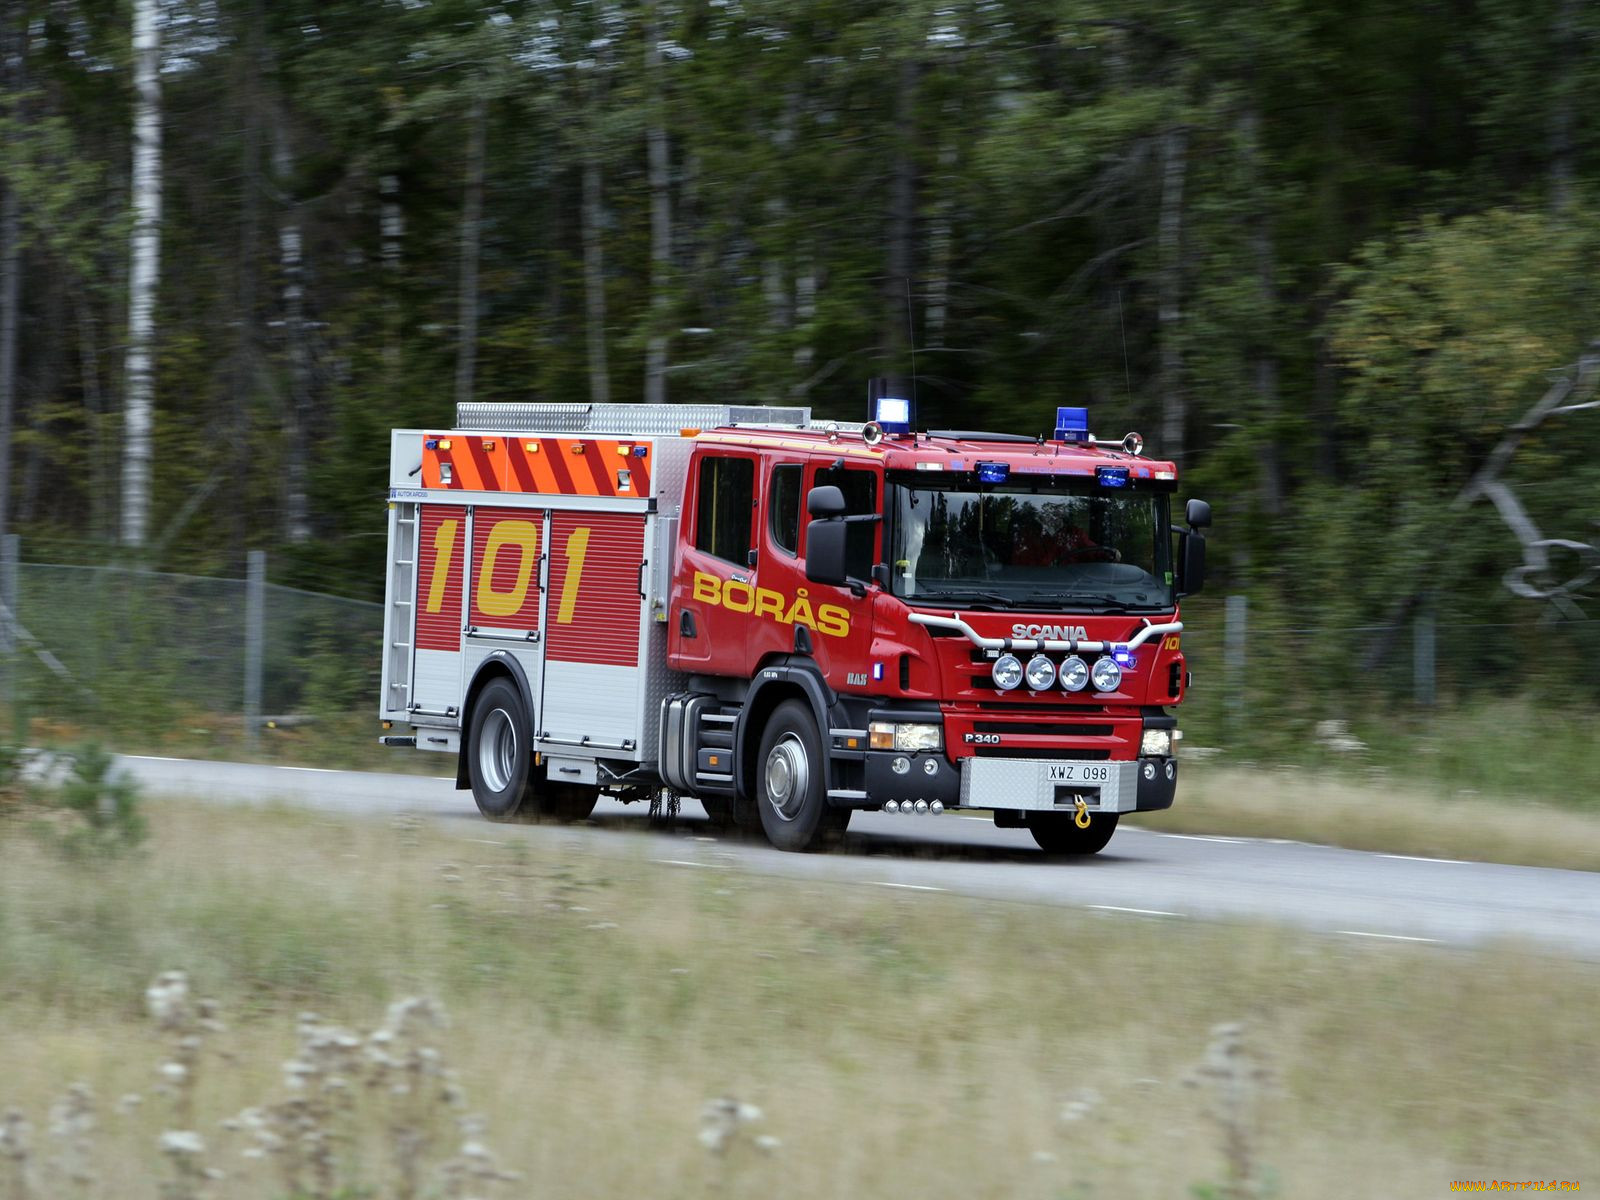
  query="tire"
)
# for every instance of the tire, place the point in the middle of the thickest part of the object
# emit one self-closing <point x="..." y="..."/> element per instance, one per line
<point x="791" y="782"/>
<point x="499" y="751"/>
<point x="1056" y="833"/>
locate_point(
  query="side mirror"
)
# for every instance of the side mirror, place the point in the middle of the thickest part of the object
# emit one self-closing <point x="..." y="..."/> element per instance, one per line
<point x="825" y="501"/>
<point x="825" y="545"/>
<point x="1198" y="514"/>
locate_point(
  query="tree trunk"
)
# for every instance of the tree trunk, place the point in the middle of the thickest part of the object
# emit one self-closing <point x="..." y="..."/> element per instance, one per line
<point x="655" y="365"/>
<point x="13" y="48"/>
<point x="392" y="230"/>
<point x="10" y="299"/>
<point x="1562" y="147"/>
<point x="297" y="413"/>
<point x="897" y="284"/>
<point x="594" y="280"/>
<point x="144" y="273"/>
<point x="101" y="523"/>
<point x="1169" y="291"/>
<point x="940" y="240"/>
<point x="471" y="243"/>
<point x="1263" y="360"/>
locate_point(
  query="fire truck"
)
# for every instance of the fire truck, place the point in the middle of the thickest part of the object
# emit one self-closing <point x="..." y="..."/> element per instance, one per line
<point x="788" y="620"/>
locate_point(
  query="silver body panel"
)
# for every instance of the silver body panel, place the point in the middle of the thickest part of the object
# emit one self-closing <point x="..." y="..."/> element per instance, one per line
<point x="582" y="712"/>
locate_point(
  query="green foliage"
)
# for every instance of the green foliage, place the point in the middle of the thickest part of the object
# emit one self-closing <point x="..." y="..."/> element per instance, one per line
<point x="105" y="803"/>
<point x="1376" y="245"/>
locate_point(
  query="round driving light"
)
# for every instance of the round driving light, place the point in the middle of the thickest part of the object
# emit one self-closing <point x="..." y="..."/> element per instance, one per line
<point x="1007" y="672"/>
<point x="930" y="767"/>
<point x="1041" y="673"/>
<point x="922" y="806"/>
<point x="901" y="764"/>
<point x="1172" y="771"/>
<point x="1149" y="770"/>
<point x="936" y="806"/>
<point x="1074" y="674"/>
<point x="891" y="806"/>
<point x="1105" y="674"/>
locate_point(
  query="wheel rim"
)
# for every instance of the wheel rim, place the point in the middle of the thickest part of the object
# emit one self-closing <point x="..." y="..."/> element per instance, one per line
<point x="788" y="776"/>
<point x="497" y="750"/>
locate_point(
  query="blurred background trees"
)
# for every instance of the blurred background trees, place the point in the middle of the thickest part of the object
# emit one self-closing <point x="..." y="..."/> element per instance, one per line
<point x="1321" y="255"/>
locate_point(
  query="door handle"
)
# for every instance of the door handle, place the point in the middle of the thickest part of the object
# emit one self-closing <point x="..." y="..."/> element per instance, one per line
<point x="686" y="624"/>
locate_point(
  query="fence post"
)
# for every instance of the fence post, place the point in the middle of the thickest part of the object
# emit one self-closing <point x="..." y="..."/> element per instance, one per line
<point x="254" y="605"/>
<point x="1424" y="643"/>
<point x="1235" y="626"/>
<point x="9" y="547"/>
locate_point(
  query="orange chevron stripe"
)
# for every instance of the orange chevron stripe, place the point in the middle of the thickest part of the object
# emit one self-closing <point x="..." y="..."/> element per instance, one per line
<point x="551" y="469"/>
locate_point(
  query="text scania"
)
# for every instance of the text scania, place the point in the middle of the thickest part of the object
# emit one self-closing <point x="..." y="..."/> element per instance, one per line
<point x="1057" y="633"/>
<point x="735" y="596"/>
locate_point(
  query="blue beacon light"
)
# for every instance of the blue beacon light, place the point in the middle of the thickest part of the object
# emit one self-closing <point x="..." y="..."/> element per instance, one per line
<point x="1112" y="477"/>
<point x="1072" y="424"/>
<point x="993" y="472"/>
<point x="892" y="413"/>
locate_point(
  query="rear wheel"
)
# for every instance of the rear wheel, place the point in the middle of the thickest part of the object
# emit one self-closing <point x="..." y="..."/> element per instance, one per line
<point x="1056" y="832"/>
<point x="791" y="785"/>
<point x="499" y="755"/>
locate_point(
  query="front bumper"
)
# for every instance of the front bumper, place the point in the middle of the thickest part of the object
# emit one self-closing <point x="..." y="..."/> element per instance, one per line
<point x="1022" y="784"/>
<point x="1049" y="785"/>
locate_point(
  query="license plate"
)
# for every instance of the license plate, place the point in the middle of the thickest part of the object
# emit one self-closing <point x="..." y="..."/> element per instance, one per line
<point x="1077" y="773"/>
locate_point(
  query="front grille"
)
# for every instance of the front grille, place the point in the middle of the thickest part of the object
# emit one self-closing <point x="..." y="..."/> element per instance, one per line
<point x="1033" y="707"/>
<point x="1041" y="752"/>
<point x="1043" y="728"/>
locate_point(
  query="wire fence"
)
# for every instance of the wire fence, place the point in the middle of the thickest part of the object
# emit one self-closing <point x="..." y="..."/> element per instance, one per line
<point x="101" y="647"/>
<point x="119" y="648"/>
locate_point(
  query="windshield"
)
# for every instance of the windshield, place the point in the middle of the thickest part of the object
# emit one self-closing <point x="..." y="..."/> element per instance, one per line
<point x="1025" y="546"/>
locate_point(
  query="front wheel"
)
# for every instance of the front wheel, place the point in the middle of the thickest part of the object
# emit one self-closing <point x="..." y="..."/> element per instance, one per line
<point x="1056" y="832"/>
<point x="791" y="785"/>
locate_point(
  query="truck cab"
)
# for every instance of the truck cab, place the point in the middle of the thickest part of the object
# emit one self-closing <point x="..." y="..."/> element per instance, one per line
<point x="969" y="620"/>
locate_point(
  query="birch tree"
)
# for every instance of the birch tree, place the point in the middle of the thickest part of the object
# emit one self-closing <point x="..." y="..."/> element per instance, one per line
<point x="144" y="273"/>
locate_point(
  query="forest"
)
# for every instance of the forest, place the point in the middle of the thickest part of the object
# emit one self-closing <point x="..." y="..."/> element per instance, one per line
<point x="1337" y="261"/>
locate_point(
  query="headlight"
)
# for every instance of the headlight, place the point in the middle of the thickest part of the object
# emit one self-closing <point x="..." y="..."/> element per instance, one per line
<point x="1106" y="674"/>
<point x="1156" y="742"/>
<point x="1074" y="674"/>
<point x="1041" y="672"/>
<point x="1007" y="672"/>
<point x="909" y="738"/>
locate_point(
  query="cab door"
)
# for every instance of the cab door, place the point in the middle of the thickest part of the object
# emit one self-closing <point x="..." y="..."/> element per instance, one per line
<point x="843" y="633"/>
<point x="713" y="594"/>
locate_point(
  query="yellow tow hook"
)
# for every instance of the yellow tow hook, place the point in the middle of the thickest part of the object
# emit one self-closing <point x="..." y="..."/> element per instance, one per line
<point x="1081" y="817"/>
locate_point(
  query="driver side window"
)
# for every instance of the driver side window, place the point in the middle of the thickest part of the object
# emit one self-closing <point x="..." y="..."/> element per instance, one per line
<point x="860" y="489"/>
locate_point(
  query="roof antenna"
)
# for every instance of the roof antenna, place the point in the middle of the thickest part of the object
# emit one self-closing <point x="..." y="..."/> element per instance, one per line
<point x="1127" y="375"/>
<point x="911" y="330"/>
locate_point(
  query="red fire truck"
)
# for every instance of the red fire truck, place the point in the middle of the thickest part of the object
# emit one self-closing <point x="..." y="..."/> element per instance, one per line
<point x="788" y="620"/>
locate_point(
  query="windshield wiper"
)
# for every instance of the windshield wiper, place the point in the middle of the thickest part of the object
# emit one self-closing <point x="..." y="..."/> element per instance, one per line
<point x="1116" y="602"/>
<point x="957" y="593"/>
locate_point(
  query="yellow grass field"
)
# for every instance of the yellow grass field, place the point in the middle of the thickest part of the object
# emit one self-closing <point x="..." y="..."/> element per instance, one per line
<point x="897" y="1044"/>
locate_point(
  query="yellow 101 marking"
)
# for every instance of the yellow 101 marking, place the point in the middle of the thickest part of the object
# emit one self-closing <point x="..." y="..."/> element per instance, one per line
<point x="577" y="550"/>
<point x="444" y="548"/>
<point x="525" y="536"/>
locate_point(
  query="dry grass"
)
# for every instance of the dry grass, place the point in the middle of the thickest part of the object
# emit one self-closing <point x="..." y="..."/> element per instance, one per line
<point x="1378" y="814"/>
<point x="898" y="1045"/>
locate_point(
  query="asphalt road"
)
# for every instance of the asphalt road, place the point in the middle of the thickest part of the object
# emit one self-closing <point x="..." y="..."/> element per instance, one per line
<point x="1142" y="874"/>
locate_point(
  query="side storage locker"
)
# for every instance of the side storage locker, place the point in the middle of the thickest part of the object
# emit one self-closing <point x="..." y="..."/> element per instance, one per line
<point x="594" y="609"/>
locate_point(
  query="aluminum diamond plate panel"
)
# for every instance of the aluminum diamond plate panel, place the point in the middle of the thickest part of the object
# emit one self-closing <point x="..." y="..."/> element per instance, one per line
<point x="635" y="420"/>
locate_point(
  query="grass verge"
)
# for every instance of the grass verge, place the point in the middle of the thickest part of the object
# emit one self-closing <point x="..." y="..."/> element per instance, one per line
<point x="1377" y="813"/>
<point x="898" y="1044"/>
